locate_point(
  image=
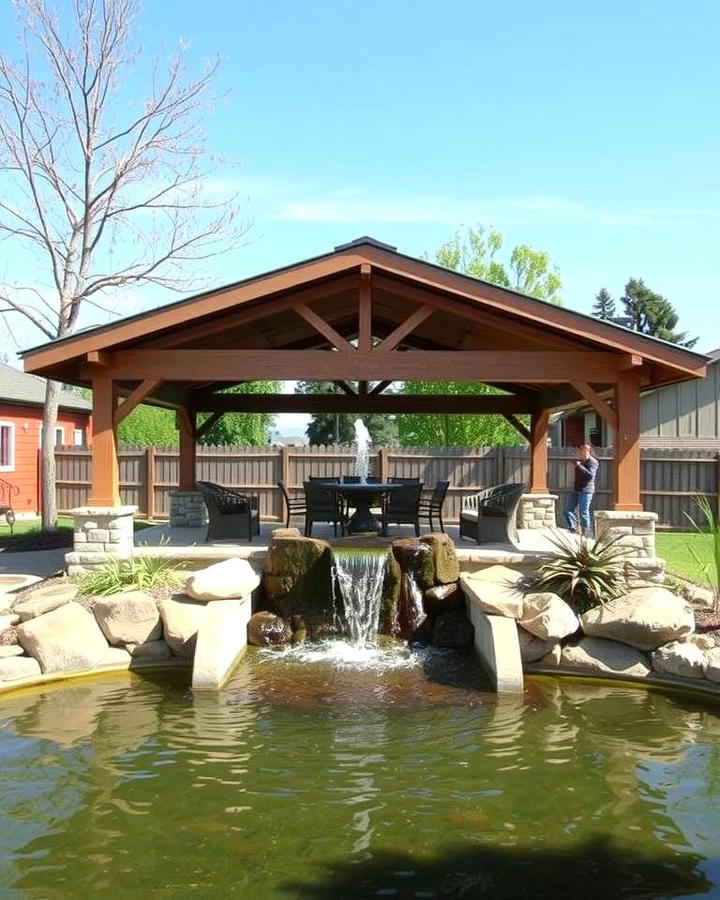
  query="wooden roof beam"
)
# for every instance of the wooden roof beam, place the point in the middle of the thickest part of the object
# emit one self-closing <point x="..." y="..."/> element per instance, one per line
<point x="431" y="404"/>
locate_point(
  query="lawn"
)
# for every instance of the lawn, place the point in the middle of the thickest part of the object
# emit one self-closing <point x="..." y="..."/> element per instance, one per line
<point x="27" y="534"/>
<point x="677" y="549"/>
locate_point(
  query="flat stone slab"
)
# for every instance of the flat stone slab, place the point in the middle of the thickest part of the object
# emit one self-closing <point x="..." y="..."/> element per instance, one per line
<point x="18" y="667"/>
<point x="45" y="599"/>
<point x="495" y="591"/>
<point x="11" y="650"/>
<point x="602" y="656"/>
<point x="221" y="641"/>
<point x="498" y="648"/>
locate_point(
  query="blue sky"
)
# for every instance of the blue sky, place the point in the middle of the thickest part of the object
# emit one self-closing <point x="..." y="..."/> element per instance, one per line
<point x="592" y="133"/>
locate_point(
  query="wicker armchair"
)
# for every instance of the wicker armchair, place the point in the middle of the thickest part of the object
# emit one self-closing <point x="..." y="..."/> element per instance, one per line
<point x="489" y="517"/>
<point x="231" y="515"/>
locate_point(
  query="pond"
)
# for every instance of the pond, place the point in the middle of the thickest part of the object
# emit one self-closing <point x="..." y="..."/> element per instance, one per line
<point x="313" y="776"/>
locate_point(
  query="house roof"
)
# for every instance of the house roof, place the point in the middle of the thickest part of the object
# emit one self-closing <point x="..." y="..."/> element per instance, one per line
<point x="19" y="388"/>
<point x="429" y="313"/>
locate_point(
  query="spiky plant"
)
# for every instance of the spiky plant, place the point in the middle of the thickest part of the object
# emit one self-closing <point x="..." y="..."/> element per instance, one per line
<point x="142" y="572"/>
<point x="711" y="527"/>
<point x="585" y="572"/>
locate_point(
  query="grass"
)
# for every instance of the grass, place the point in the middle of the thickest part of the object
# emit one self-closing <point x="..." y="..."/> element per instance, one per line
<point x="676" y="548"/>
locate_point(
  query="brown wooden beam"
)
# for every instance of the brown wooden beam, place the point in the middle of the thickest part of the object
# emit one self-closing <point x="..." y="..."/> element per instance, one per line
<point x="380" y="387"/>
<point x="368" y="403"/>
<point x="538" y="452"/>
<point x="203" y="429"/>
<point x="407" y="327"/>
<point x="135" y="397"/>
<point x="535" y="366"/>
<point x="186" y="427"/>
<point x="365" y="308"/>
<point x="626" y="444"/>
<point x="517" y="425"/>
<point x="322" y="327"/>
<point x="596" y="401"/>
<point x="345" y="388"/>
<point x="105" y="480"/>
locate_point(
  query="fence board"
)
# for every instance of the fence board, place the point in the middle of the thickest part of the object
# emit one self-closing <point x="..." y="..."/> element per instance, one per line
<point x="670" y="479"/>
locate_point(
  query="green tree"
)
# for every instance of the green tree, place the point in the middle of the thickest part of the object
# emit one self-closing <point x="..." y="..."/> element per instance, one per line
<point x="148" y="426"/>
<point x="653" y="314"/>
<point x="528" y="271"/>
<point x="251" y="429"/>
<point x="339" y="428"/>
<point x="604" y="307"/>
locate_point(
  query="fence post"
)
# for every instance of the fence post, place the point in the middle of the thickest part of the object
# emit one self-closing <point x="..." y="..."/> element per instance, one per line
<point x="383" y="464"/>
<point x="150" y="482"/>
<point x="285" y="476"/>
<point x="500" y="465"/>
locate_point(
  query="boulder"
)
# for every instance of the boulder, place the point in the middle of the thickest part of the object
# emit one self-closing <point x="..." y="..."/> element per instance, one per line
<point x="130" y="617"/>
<point x="11" y="650"/>
<point x="18" y="667"/>
<point x="679" y="658"/>
<point x="594" y="654"/>
<point x="712" y="659"/>
<point x="65" y="640"/>
<point x="445" y="562"/>
<point x="45" y="599"/>
<point x="416" y="558"/>
<point x="443" y="598"/>
<point x="700" y="597"/>
<point x="704" y="641"/>
<point x="495" y="590"/>
<point x="265" y="629"/>
<point x="297" y="579"/>
<point x="453" y="631"/>
<point x="532" y="648"/>
<point x="222" y="581"/>
<point x="181" y="617"/>
<point x="644" y="618"/>
<point x="159" y="649"/>
<point x="553" y="657"/>
<point x="116" y="656"/>
<point x="548" y="616"/>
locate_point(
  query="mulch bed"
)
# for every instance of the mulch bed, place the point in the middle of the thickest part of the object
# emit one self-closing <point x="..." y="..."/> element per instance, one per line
<point x="36" y="540"/>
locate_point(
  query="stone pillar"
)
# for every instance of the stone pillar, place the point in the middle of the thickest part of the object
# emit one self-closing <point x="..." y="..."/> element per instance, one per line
<point x="636" y="531"/>
<point x="100" y="532"/>
<point x="537" y="511"/>
<point x="187" y="510"/>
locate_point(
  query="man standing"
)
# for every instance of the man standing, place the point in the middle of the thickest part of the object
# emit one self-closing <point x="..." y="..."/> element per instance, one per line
<point x="581" y="496"/>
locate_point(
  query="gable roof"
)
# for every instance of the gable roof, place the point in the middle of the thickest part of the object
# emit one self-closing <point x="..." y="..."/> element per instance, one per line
<point x="260" y="313"/>
<point x="20" y="388"/>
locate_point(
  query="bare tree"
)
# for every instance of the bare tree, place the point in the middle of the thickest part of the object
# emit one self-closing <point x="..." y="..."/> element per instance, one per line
<point x="100" y="187"/>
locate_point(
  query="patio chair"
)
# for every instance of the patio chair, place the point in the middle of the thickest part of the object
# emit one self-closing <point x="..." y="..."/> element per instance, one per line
<point x="231" y="514"/>
<point x="431" y="507"/>
<point x="401" y="507"/>
<point x="294" y="506"/>
<point x="322" y="504"/>
<point x="397" y="480"/>
<point x="489" y="517"/>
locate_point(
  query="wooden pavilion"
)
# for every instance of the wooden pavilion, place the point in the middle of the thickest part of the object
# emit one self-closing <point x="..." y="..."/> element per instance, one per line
<point x="368" y="314"/>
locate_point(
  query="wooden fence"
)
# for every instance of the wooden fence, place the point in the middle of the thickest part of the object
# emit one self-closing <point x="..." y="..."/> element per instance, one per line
<point x="670" y="479"/>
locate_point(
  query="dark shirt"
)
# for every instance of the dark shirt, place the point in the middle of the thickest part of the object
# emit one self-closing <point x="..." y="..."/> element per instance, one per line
<point x="585" y="475"/>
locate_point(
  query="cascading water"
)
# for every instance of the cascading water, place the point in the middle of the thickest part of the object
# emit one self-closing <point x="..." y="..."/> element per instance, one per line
<point x="411" y="612"/>
<point x="358" y="575"/>
<point x="362" y="457"/>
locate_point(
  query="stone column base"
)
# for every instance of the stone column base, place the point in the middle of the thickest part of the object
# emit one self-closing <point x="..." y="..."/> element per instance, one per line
<point x="537" y="511"/>
<point x="636" y="530"/>
<point x="187" y="510"/>
<point x="100" y="532"/>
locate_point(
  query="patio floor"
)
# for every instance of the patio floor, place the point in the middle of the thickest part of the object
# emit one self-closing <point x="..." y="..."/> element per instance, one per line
<point x="188" y="544"/>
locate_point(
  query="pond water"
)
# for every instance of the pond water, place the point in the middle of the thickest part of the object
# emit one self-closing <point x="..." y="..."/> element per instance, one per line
<point x="310" y="776"/>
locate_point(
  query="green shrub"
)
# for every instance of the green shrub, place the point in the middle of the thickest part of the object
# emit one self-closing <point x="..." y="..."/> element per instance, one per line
<point x="711" y="526"/>
<point x="585" y="572"/>
<point x="141" y="572"/>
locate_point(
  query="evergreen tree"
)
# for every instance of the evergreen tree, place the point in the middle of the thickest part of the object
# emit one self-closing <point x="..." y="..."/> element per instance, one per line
<point x="339" y="428"/>
<point x="604" y="307"/>
<point x="653" y="314"/>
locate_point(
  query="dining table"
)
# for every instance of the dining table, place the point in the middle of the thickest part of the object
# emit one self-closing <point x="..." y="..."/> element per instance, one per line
<point x="362" y="497"/>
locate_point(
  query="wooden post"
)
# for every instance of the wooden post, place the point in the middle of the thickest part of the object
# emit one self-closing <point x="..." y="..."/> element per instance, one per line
<point x="105" y="483"/>
<point x="383" y="464"/>
<point x="150" y="482"/>
<point x="284" y="476"/>
<point x="627" y="444"/>
<point x="538" y="452"/>
<point x="186" y="427"/>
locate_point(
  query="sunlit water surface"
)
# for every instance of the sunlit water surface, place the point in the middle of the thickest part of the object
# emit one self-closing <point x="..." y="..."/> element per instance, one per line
<point x="318" y="774"/>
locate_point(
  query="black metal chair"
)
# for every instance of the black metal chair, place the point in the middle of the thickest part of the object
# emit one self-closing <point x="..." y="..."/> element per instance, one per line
<point x="431" y="507"/>
<point x="398" y="480"/>
<point x="401" y="507"/>
<point x="231" y="515"/>
<point x="322" y="504"/>
<point x="294" y="506"/>
<point x="489" y="517"/>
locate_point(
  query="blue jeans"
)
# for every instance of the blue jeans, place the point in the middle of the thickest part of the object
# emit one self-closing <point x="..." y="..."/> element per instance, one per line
<point x="580" y="501"/>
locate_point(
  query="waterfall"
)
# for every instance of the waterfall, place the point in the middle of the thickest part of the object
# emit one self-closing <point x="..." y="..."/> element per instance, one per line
<point x="362" y="458"/>
<point x="358" y="575"/>
<point x="411" y="612"/>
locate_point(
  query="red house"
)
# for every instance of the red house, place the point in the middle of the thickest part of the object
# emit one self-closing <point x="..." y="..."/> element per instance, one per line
<point x="21" y="409"/>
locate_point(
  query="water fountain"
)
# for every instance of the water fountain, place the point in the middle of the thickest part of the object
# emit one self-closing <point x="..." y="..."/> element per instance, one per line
<point x="358" y="577"/>
<point x="362" y="457"/>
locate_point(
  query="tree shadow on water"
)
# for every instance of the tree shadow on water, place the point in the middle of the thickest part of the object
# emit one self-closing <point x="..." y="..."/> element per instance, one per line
<point x="595" y="870"/>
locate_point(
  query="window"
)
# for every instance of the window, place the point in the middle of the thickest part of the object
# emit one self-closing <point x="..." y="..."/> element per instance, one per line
<point x="7" y="447"/>
<point x="78" y="437"/>
<point x="59" y="435"/>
